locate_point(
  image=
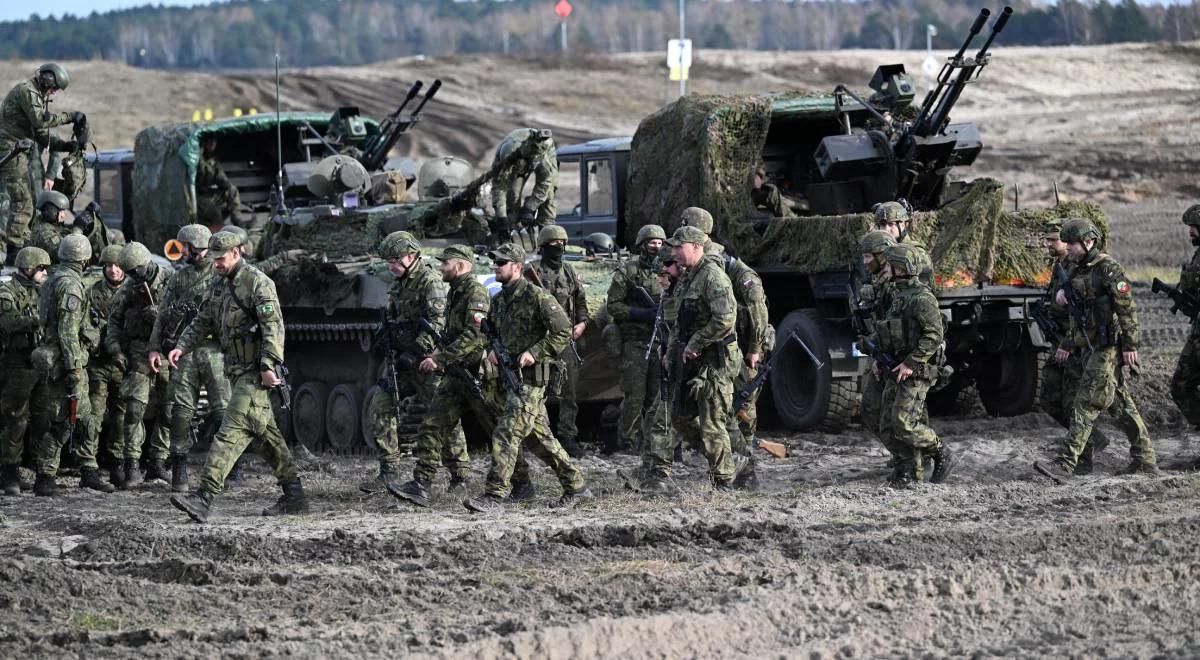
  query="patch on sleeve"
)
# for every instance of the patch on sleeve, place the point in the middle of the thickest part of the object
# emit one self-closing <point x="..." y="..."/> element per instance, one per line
<point x="748" y="283"/>
<point x="477" y="318"/>
<point x="480" y="305"/>
<point x="1123" y="287"/>
<point x="71" y="303"/>
<point x="265" y="309"/>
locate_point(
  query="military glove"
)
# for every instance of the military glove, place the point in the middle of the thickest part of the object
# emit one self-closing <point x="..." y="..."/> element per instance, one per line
<point x="77" y="117"/>
<point x="527" y="216"/>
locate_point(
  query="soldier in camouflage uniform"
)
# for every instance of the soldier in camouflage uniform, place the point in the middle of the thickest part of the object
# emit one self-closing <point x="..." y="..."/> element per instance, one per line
<point x="537" y="209"/>
<point x="634" y="316"/>
<point x="25" y="115"/>
<point x="913" y="332"/>
<point x="105" y="376"/>
<point x="145" y="392"/>
<point x="457" y="359"/>
<point x="559" y="279"/>
<point x="244" y="312"/>
<point x="755" y="338"/>
<point x="664" y="448"/>
<point x="61" y="360"/>
<point x="1185" y="383"/>
<point x="766" y="196"/>
<point x="534" y="329"/>
<point x="184" y="296"/>
<point x="22" y="331"/>
<point x="417" y="293"/>
<point x="1104" y="334"/>
<point x="217" y="198"/>
<point x="875" y="299"/>
<point x="53" y="221"/>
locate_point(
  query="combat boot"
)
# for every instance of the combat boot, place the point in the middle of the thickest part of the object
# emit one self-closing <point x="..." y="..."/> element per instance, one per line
<point x="415" y="491"/>
<point x="158" y="471"/>
<point x="10" y="480"/>
<point x="523" y="492"/>
<point x="1086" y="462"/>
<point x="943" y="464"/>
<point x="195" y="504"/>
<point x="745" y="477"/>
<point x="677" y="457"/>
<point x="133" y="474"/>
<point x="292" y="502"/>
<point x="655" y="484"/>
<point x="45" y="486"/>
<point x="457" y="485"/>
<point x="1137" y="466"/>
<point x="90" y="478"/>
<point x="236" y="476"/>
<point x="387" y="480"/>
<point x="116" y="475"/>
<point x="574" y="498"/>
<point x="484" y="503"/>
<point x="1055" y="470"/>
<point x="572" y="447"/>
<point x="179" y="473"/>
<point x="903" y="475"/>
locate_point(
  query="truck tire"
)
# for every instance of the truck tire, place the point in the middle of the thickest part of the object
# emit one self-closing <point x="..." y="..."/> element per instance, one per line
<point x="1008" y="382"/>
<point x="803" y="395"/>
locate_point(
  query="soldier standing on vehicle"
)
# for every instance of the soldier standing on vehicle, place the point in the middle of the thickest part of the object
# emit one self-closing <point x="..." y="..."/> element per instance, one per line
<point x="559" y="279"/>
<point x="766" y="196"/>
<point x="705" y="357"/>
<point x="537" y="209"/>
<point x="131" y="321"/>
<point x="244" y="313"/>
<point x="912" y="332"/>
<point x="25" y="115"/>
<point x="105" y="376"/>
<point x="1104" y="333"/>
<point x="186" y="292"/>
<point x="53" y="221"/>
<point x="1185" y="383"/>
<point x="22" y="331"/>
<point x="874" y="301"/>
<point x="634" y="316"/>
<point x="61" y="360"/>
<point x="417" y="293"/>
<point x="534" y="330"/>
<point x="440" y="440"/>
<point x="216" y="197"/>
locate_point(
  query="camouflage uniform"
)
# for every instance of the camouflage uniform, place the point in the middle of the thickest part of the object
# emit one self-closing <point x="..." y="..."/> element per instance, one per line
<point x="104" y="374"/>
<point x="703" y="388"/>
<point x="1185" y="383"/>
<point x="47" y="235"/>
<point x="562" y="282"/>
<point x="244" y="312"/>
<point x="24" y="114"/>
<point x="753" y="336"/>
<point x="216" y="197"/>
<point x="912" y="332"/>
<point x="538" y="209"/>
<point x="528" y="319"/>
<point x="875" y="299"/>
<point x="130" y="326"/>
<point x="639" y="376"/>
<point x="22" y="385"/>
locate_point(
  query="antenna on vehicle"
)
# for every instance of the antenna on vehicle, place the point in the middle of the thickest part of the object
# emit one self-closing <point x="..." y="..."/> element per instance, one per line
<point x="1016" y="197"/>
<point x="280" y="205"/>
<point x="1057" y="201"/>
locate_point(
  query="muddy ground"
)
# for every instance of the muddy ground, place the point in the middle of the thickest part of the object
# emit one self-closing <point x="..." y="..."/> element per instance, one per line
<point x="823" y="561"/>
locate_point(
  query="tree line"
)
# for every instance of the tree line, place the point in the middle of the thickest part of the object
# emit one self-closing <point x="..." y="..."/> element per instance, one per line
<point x="247" y="33"/>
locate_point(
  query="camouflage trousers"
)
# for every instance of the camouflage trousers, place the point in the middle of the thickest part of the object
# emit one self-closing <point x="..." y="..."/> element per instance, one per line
<point x="749" y="425"/>
<point x="871" y="410"/>
<point x="1101" y="387"/>
<point x="15" y="181"/>
<point x="146" y="396"/>
<point x="104" y="385"/>
<point x="441" y="440"/>
<point x="639" y="396"/>
<point x="22" y="386"/>
<point x="904" y="422"/>
<point x="1058" y="384"/>
<point x="564" y="399"/>
<point x="59" y="431"/>
<point x="522" y="424"/>
<point x="659" y="457"/>
<point x="709" y="397"/>
<point x="249" y="422"/>
<point x="203" y="367"/>
<point x="1185" y="383"/>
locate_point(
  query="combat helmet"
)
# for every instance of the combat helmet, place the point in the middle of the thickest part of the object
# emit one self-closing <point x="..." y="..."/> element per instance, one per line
<point x="1192" y="215"/>
<point x="598" y="242"/>
<point x="551" y="233"/>
<point x="399" y="244"/>
<point x="55" y="198"/>
<point x="32" y="257"/>
<point x="1078" y="230"/>
<point x="649" y="233"/>
<point x="236" y="231"/>
<point x="694" y="216"/>
<point x="906" y="256"/>
<point x="134" y="256"/>
<point x="74" y="248"/>
<point x="889" y="212"/>
<point x="52" y="75"/>
<point x="195" y="235"/>
<point x="875" y="242"/>
<point x="111" y="255"/>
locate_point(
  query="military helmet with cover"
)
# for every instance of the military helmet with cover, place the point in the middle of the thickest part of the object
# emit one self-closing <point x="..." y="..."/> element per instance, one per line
<point x="1078" y="230"/>
<point x="75" y="248"/>
<point x="906" y="256"/>
<point x="134" y="256"/>
<point x="694" y="216"/>
<point x="195" y="235"/>
<point x="1192" y="215"/>
<point x="875" y="242"/>
<point x="1052" y="229"/>
<point x="599" y="242"/>
<point x="54" y="198"/>
<point x="53" y="75"/>
<point x="889" y="212"/>
<point x="551" y="233"/>
<point x="32" y="257"/>
<point x="398" y="245"/>
<point x="111" y="255"/>
<point x="649" y="233"/>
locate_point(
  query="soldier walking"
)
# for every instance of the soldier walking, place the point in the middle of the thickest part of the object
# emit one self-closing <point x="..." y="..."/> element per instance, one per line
<point x="243" y="312"/>
<point x="22" y="385"/>
<point x="105" y="376"/>
<point x="62" y="358"/>
<point x="534" y="330"/>
<point x="874" y="301"/>
<point x="561" y="281"/>
<point x="1185" y="383"/>
<point x="1104" y="334"/>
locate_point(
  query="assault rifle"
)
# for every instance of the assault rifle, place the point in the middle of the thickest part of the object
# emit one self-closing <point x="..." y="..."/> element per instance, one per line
<point x="1074" y="304"/>
<point x="470" y="379"/>
<point x="395" y="360"/>
<point x="509" y="369"/>
<point x="531" y="272"/>
<point x="742" y="399"/>
<point x="376" y="149"/>
<point x="1045" y="323"/>
<point x="886" y="361"/>
<point x="186" y="312"/>
<point x="72" y="419"/>
<point x="1181" y="300"/>
<point x="284" y="388"/>
<point x="658" y="338"/>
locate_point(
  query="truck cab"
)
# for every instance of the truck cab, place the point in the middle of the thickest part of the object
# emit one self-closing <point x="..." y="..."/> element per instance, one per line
<point x="591" y="187"/>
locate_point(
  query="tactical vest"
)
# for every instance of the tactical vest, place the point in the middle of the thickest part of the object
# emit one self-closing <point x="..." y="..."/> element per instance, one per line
<point x="1099" y="313"/>
<point x="25" y="304"/>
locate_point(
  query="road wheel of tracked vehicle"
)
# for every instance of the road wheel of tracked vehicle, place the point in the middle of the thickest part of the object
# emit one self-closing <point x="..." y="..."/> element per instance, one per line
<point x="343" y="416"/>
<point x="801" y="392"/>
<point x="1008" y="382"/>
<point x="368" y="425"/>
<point x="308" y="414"/>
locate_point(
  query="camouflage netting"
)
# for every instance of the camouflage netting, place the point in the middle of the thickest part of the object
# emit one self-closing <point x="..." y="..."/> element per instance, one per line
<point x="335" y="235"/>
<point x="312" y="284"/>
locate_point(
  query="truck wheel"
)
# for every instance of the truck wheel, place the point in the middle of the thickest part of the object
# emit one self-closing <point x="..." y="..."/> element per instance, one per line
<point x="957" y="398"/>
<point x="1008" y="382"/>
<point x="843" y="404"/>
<point x="801" y="392"/>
